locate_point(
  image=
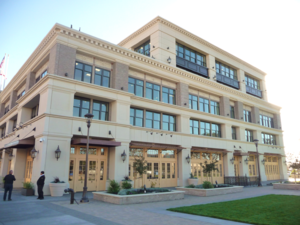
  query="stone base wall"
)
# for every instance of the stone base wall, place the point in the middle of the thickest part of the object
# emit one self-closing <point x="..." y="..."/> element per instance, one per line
<point x="140" y="198"/>
<point x="287" y="186"/>
<point x="210" y="192"/>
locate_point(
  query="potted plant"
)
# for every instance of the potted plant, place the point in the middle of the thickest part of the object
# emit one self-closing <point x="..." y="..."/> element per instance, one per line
<point x="27" y="189"/>
<point x="3" y="181"/>
<point x="192" y="180"/>
<point x="127" y="179"/>
<point x="57" y="187"/>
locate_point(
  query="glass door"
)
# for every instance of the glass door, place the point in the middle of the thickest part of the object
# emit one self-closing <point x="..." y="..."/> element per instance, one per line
<point x="92" y="176"/>
<point x="81" y="175"/>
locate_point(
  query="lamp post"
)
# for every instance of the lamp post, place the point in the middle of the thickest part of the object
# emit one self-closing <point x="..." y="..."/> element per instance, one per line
<point x="89" y="118"/>
<point x="259" y="178"/>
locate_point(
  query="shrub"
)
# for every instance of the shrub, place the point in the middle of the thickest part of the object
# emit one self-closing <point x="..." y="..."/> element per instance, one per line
<point x="114" y="187"/>
<point x="57" y="180"/>
<point x="126" y="185"/>
<point x="191" y="186"/>
<point x="28" y="185"/>
<point x="192" y="176"/>
<point x="127" y="178"/>
<point x="153" y="184"/>
<point x="207" y="185"/>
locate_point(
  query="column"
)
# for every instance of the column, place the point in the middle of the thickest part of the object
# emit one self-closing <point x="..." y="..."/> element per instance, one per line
<point x="224" y="106"/>
<point x="263" y="89"/>
<point x="182" y="123"/>
<point x="277" y="121"/>
<point x="226" y="131"/>
<point x="182" y="95"/>
<point x="243" y="167"/>
<point x="120" y="111"/>
<point x="184" y="168"/>
<point x="30" y="81"/>
<point x="4" y="165"/>
<point x="282" y="168"/>
<point x="12" y="99"/>
<point x="255" y="115"/>
<point x="211" y="65"/>
<point x="262" y="169"/>
<point x="2" y="109"/>
<point x="18" y="165"/>
<point x="119" y="76"/>
<point x="228" y="166"/>
<point x="241" y="78"/>
<point x="239" y="110"/>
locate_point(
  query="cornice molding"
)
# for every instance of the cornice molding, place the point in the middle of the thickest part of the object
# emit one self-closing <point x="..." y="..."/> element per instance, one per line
<point x="161" y="20"/>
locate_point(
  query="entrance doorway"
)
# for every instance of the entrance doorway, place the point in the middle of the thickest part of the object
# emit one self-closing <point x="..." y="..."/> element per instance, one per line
<point x="197" y="170"/>
<point x="97" y="165"/>
<point x="272" y="168"/>
<point x="252" y="166"/>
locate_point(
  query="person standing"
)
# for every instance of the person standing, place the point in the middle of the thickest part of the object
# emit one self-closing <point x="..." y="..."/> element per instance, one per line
<point x="8" y="185"/>
<point x="40" y="183"/>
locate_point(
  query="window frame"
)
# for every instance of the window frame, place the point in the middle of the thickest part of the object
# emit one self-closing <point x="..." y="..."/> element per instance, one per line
<point x="203" y="130"/>
<point x="80" y="107"/>
<point x="101" y="111"/>
<point x="229" y="71"/>
<point x="249" y="135"/>
<point x="83" y="71"/>
<point x="101" y="76"/>
<point x="269" y="139"/>
<point x="232" y="113"/>
<point x="153" y="90"/>
<point x="168" y="94"/>
<point x="134" y="86"/>
<point x="134" y="117"/>
<point x="233" y="133"/>
<point x="144" y="45"/>
<point x="201" y="60"/>
<point x="252" y="82"/>
<point x="247" y="116"/>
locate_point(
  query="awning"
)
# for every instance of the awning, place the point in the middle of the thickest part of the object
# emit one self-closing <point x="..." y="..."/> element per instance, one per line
<point x="155" y="146"/>
<point x="25" y="143"/>
<point x="240" y="153"/>
<point x="195" y="148"/>
<point x="96" y="142"/>
<point x="254" y="153"/>
<point x="273" y="154"/>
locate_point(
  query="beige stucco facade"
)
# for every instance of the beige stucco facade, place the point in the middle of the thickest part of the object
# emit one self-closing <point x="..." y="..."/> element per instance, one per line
<point x="55" y="124"/>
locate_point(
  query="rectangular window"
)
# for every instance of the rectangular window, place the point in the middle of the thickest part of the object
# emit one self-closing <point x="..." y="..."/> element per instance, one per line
<point x="149" y="170"/>
<point x="81" y="106"/>
<point x="21" y="94"/>
<point x="102" y="170"/>
<point x="168" y="95"/>
<point x="204" y="104"/>
<point x="92" y="151"/>
<point x="214" y="108"/>
<point x="194" y="126"/>
<point x="136" y="87"/>
<point x="168" y="154"/>
<point x="168" y="170"/>
<point x="226" y="70"/>
<point x="190" y="55"/>
<point x="247" y="116"/>
<point x="156" y="169"/>
<point x="6" y="109"/>
<point x="152" y="120"/>
<point x="100" y="110"/>
<point x="41" y="76"/>
<point x="193" y="102"/>
<point x="232" y="112"/>
<point x="266" y="121"/>
<point x="143" y="49"/>
<point x="249" y="135"/>
<point x="205" y="156"/>
<point x="152" y="153"/>
<point x="169" y="122"/>
<point x="163" y="170"/>
<point x="3" y="131"/>
<point x="233" y="132"/>
<point x="34" y="111"/>
<point x="215" y="130"/>
<point x="173" y="170"/>
<point x="135" y="152"/>
<point x="136" y="117"/>
<point x="251" y="82"/>
<point x="205" y="128"/>
<point x="83" y="72"/>
<point x="195" y="155"/>
<point x="102" y="77"/>
<point x="71" y="170"/>
<point x="268" y="139"/>
<point x="72" y="150"/>
<point x="152" y="91"/>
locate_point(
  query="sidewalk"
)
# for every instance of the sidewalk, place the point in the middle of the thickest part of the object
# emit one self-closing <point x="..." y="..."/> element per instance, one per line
<point x="28" y="210"/>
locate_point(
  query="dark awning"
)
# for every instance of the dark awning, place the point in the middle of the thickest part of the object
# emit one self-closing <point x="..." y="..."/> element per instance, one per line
<point x="240" y="153"/>
<point x="273" y="154"/>
<point x="96" y="142"/>
<point x="154" y="145"/>
<point x="195" y="148"/>
<point x="254" y="153"/>
<point x="20" y="144"/>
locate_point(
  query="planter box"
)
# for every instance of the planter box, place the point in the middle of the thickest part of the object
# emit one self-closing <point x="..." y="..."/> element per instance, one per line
<point x="287" y="186"/>
<point x="193" y="181"/>
<point x="211" y="192"/>
<point x="131" y="182"/>
<point x="27" y="192"/>
<point x="140" y="198"/>
<point x="57" y="189"/>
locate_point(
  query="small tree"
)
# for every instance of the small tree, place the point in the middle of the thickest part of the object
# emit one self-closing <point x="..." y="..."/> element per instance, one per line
<point x="208" y="168"/>
<point x="295" y="166"/>
<point x="140" y="166"/>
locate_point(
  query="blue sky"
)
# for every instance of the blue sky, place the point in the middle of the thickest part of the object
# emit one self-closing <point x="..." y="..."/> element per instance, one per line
<point x="264" y="33"/>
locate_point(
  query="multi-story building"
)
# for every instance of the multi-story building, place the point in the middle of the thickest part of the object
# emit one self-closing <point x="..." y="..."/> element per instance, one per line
<point x="162" y="93"/>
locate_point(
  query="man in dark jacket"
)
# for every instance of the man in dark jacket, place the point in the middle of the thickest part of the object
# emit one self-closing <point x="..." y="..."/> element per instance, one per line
<point x="40" y="183"/>
<point x="8" y="185"/>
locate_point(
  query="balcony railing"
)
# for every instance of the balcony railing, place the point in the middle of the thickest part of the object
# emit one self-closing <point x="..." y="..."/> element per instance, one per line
<point x="253" y="91"/>
<point x="241" y="181"/>
<point x="190" y="66"/>
<point x="228" y="81"/>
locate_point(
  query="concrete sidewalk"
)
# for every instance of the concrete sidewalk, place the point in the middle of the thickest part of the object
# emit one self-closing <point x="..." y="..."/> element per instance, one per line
<point x="54" y="210"/>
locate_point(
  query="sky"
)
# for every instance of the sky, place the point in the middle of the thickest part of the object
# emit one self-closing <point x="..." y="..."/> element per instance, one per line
<point x="264" y="33"/>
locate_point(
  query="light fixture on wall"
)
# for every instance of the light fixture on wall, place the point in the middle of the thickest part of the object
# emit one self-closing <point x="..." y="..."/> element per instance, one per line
<point x="57" y="153"/>
<point x="263" y="161"/>
<point x="227" y="114"/>
<point x="213" y="67"/>
<point x="167" y="47"/>
<point x="79" y="129"/>
<point x="153" y="46"/>
<point x="18" y="135"/>
<point x="169" y="60"/>
<point x="215" y="78"/>
<point x="188" y="159"/>
<point x="123" y="156"/>
<point x="11" y="154"/>
<point x="246" y="161"/>
<point x="66" y="74"/>
<point x="284" y="161"/>
<point x="232" y="160"/>
<point x="33" y="153"/>
<point x="153" y="57"/>
<point x="122" y="88"/>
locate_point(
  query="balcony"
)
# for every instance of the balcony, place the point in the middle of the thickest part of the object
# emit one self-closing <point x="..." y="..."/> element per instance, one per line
<point x="253" y="91"/>
<point x="228" y="81"/>
<point x="192" y="67"/>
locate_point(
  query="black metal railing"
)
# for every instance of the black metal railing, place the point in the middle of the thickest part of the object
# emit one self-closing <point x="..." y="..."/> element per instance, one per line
<point x="241" y="181"/>
<point x="191" y="66"/>
<point x="228" y="81"/>
<point x="253" y="91"/>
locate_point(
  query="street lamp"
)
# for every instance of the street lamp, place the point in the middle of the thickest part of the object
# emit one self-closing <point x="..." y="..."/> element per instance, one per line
<point x="259" y="178"/>
<point x="89" y="118"/>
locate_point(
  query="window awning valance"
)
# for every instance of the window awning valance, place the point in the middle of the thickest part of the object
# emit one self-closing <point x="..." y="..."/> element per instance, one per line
<point x="154" y="145"/>
<point x="195" y="148"/>
<point x="96" y="142"/>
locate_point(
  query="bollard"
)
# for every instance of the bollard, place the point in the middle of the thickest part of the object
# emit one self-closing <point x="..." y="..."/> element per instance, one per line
<point x="71" y="191"/>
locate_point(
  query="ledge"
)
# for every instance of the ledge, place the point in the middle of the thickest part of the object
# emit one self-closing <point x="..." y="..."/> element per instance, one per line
<point x="210" y="192"/>
<point x="286" y="186"/>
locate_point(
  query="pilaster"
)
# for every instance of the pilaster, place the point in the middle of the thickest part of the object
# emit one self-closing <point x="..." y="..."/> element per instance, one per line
<point x="119" y="78"/>
<point x="211" y="65"/>
<point x="241" y="78"/>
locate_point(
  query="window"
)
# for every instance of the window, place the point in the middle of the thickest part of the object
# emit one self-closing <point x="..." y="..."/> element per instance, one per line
<point x="102" y="77"/>
<point x="251" y="82"/>
<point x="233" y="132"/>
<point x="190" y="55"/>
<point x="167" y="154"/>
<point x="195" y="155"/>
<point x="152" y="120"/>
<point x="92" y="151"/>
<point x="21" y="94"/>
<point x="100" y="110"/>
<point x="215" y="130"/>
<point x="34" y="111"/>
<point x="266" y="121"/>
<point x="232" y="112"/>
<point x="268" y="139"/>
<point x="136" y="87"/>
<point x="194" y="126"/>
<point x="152" y="153"/>
<point x="214" y="108"/>
<point x="247" y="116"/>
<point x="205" y="156"/>
<point x="152" y="91"/>
<point x="136" y="117"/>
<point x="83" y="72"/>
<point x="168" y="95"/>
<point x="205" y="128"/>
<point x="135" y="152"/>
<point x="169" y="122"/>
<point x="204" y="105"/>
<point x="226" y="70"/>
<point x="144" y="49"/>
<point x="193" y="102"/>
<point x="249" y="135"/>
<point x="81" y="107"/>
<point x="41" y="76"/>
<point x="6" y="110"/>
<point x="14" y="124"/>
<point x="72" y="150"/>
<point x="3" y="131"/>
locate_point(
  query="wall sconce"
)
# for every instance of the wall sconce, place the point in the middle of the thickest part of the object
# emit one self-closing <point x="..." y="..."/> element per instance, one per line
<point x="215" y="78"/>
<point x="184" y="103"/>
<point x="18" y="135"/>
<point x="188" y="159"/>
<point x="169" y="60"/>
<point x="109" y="132"/>
<point x="153" y="57"/>
<point x="11" y="154"/>
<point x="234" y="146"/>
<point x="246" y="161"/>
<point x="122" y="88"/>
<point x="79" y="129"/>
<point x="263" y="161"/>
<point x="232" y="160"/>
<point x="213" y="67"/>
<point x="123" y="156"/>
<point x="161" y="134"/>
<point x="171" y="135"/>
<point x="66" y="74"/>
<point x="284" y="161"/>
<point x="153" y="46"/>
<point x="57" y="153"/>
<point x="227" y="114"/>
<point x="167" y="47"/>
<point x="240" y="147"/>
<point x="33" y="153"/>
